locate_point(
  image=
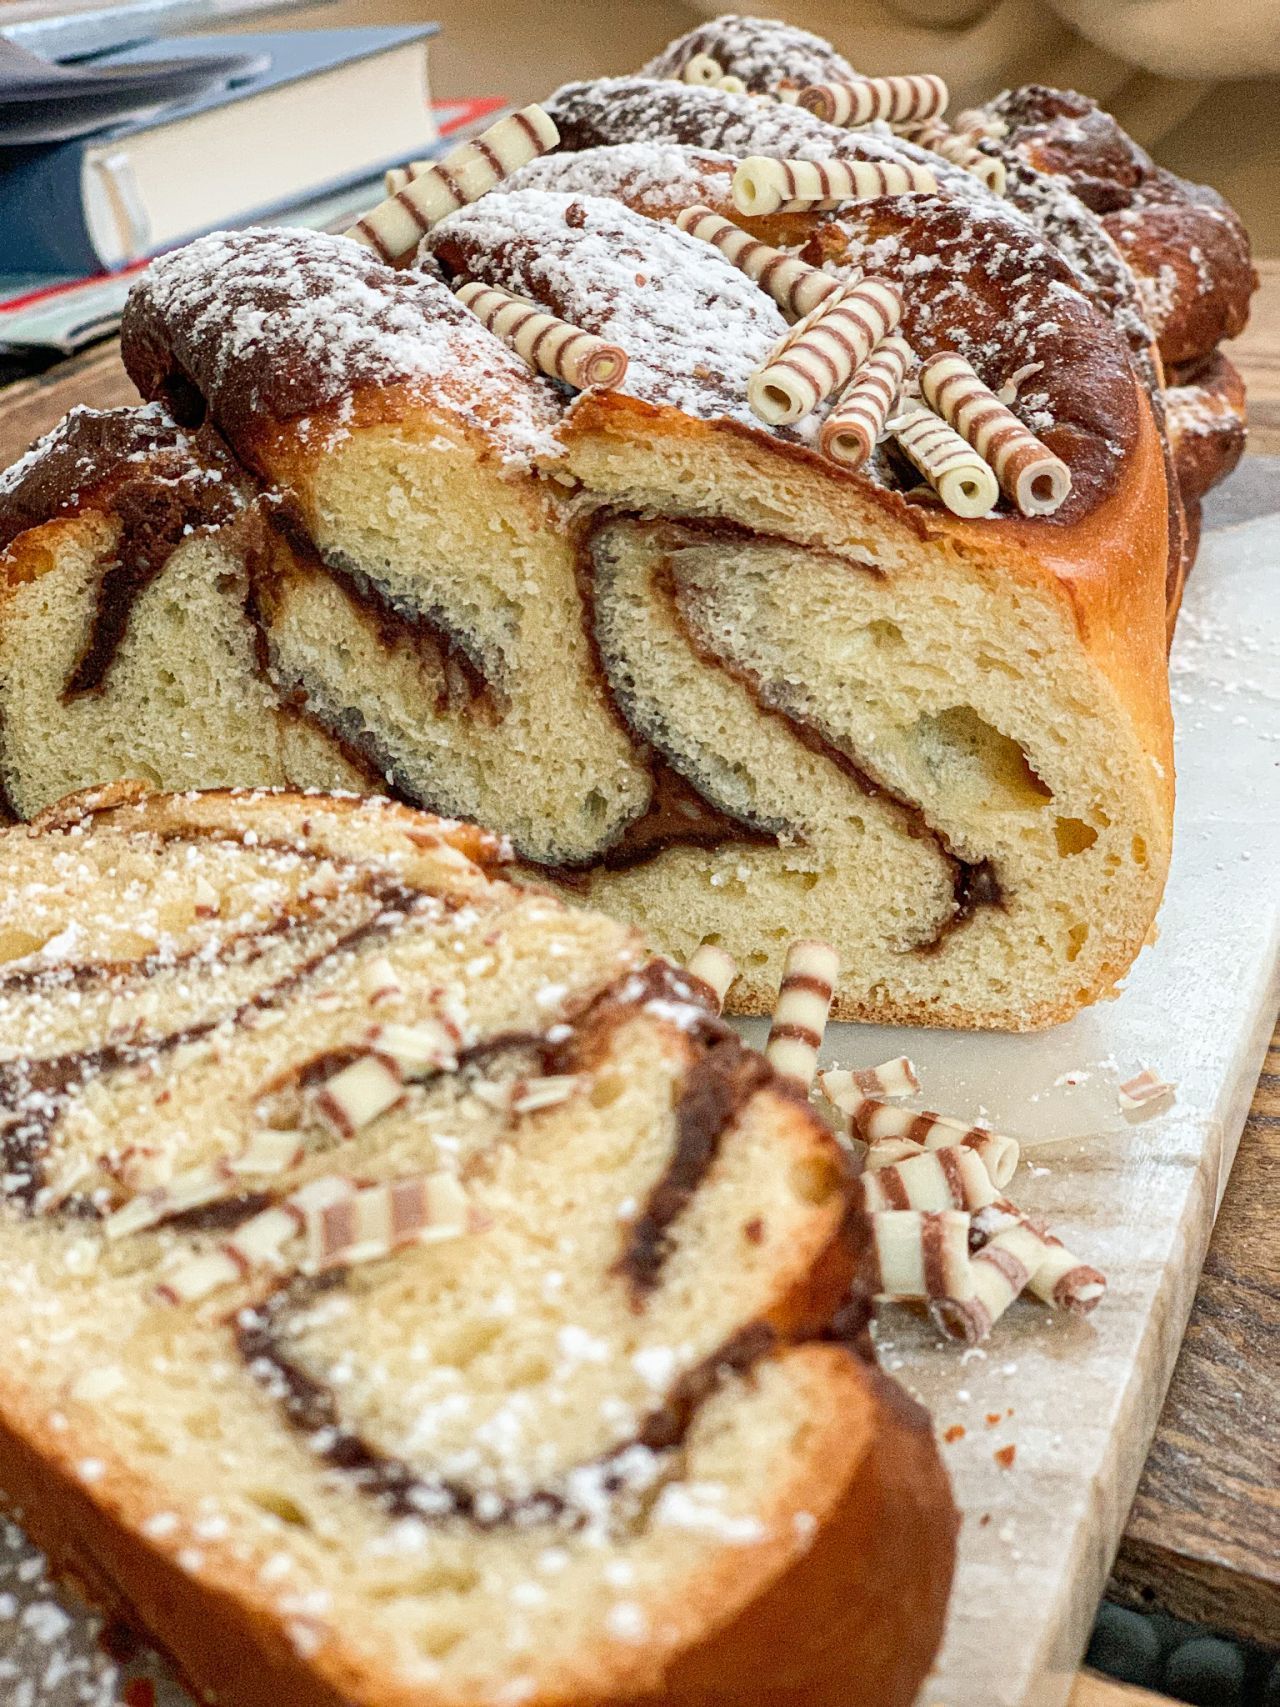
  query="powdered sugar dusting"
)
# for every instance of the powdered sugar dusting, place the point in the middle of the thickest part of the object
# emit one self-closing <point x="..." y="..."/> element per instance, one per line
<point x="766" y="53"/>
<point x="649" y="176"/>
<point x="284" y="322"/>
<point x="692" y="325"/>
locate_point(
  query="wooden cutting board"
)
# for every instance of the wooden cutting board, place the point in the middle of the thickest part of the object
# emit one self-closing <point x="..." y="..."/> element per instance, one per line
<point x="1077" y="1401"/>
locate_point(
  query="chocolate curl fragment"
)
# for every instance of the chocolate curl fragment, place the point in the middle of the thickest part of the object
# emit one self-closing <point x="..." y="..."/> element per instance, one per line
<point x="896" y="1078"/>
<point x="394" y="228"/>
<point x="827" y="355"/>
<point x="763" y="186"/>
<point x="896" y="100"/>
<point x="732" y="85"/>
<point x="976" y="124"/>
<point x="355" y="1097"/>
<point x="852" y="430"/>
<point x="1145" y="1088"/>
<point x="998" y="1272"/>
<point x="1035" y="479"/>
<point x="419" y="1050"/>
<point x="960" y="150"/>
<point x="551" y="346"/>
<point x="529" y="1095"/>
<point x="715" y="967"/>
<point x="374" y="1221"/>
<point x="952" y="467"/>
<point x="921" y="1253"/>
<point x="703" y="69"/>
<point x="800" y="1018"/>
<point x="256" y="1243"/>
<point x="894" y="1134"/>
<point x="950" y="1178"/>
<point x="794" y="285"/>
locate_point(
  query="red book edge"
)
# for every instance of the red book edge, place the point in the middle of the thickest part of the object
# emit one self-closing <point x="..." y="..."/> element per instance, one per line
<point x="459" y="115"/>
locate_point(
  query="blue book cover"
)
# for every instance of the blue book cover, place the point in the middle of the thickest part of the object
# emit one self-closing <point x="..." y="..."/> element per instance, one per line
<point x="47" y="226"/>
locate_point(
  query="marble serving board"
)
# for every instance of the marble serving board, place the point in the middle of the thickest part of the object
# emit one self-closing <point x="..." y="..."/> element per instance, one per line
<point x="1076" y="1400"/>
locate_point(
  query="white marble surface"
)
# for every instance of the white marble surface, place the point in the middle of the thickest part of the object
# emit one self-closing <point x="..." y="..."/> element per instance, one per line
<point x="1078" y="1400"/>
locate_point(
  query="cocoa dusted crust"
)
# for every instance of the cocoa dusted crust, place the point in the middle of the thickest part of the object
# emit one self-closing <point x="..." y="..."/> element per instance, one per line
<point x="1183" y="239"/>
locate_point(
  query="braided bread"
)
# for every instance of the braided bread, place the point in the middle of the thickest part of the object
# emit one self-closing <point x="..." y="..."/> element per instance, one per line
<point x="538" y="1379"/>
<point x="698" y="671"/>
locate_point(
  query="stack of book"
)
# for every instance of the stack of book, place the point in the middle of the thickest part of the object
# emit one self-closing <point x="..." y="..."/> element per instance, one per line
<point x="113" y="148"/>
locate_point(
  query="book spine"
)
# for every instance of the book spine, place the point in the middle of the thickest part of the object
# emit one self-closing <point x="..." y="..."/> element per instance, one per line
<point x="43" y="228"/>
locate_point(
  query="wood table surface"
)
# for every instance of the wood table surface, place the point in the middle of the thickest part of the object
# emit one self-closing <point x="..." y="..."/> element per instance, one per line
<point x="1203" y="1536"/>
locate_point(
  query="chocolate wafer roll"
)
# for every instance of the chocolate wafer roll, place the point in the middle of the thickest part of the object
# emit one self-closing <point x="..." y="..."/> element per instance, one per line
<point x="826" y="356"/>
<point x="732" y="85"/>
<point x="715" y="968"/>
<point x="393" y="228"/>
<point x="703" y="69"/>
<point x="794" y="285"/>
<point x="953" y="1177"/>
<point x="852" y="429"/>
<point x="800" y="1018"/>
<point x="550" y="345"/>
<point x="921" y="1253"/>
<point x="882" y="1126"/>
<point x="896" y="100"/>
<point x="960" y="477"/>
<point x="763" y="186"/>
<point x="1035" y="479"/>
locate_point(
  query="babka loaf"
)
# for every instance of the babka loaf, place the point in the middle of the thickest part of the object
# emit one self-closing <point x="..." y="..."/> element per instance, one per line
<point x="715" y="654"/>
<point x="412" y="1297"/>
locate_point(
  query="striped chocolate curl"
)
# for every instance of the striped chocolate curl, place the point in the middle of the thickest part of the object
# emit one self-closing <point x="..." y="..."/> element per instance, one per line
<point x="800" y="1017"/>
<point x="826" y="356"/>
<point x="897" y="100"/>
<point x="894" y="1134"/>
<point x="921" y="1253"/>
<point x="763" y="186"/>
<point x="550" y="345"/>
<point x="715" y="967"/>
<point x="852" y="429"/>
<point x="960" y="150"/>
<point x="732" y="85"/>
<point x="1035" y="479"/>
<point x="952" y="467"/>
<point x="1057" y="1277"/>
<point x="393" y="228"/>
<point x="794" y="285"/>
<point x="896" y="1078"/>
<point x="998" y="1271"/>
<point x="702" y="69"/>
<point x="953" y="1177"/>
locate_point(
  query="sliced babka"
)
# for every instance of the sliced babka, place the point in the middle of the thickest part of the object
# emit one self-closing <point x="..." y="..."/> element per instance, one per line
<point x="413" y="1297"/>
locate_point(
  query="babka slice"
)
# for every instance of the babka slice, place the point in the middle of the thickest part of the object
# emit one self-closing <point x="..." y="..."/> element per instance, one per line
<point x="127" y="645"/>
<point x="414" y="1298"/>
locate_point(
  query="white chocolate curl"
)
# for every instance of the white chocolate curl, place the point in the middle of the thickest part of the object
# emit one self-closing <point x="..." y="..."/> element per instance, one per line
<point x="794" y="285"/>
<point x="896" y="100"/>
<point x="702" y="68"/>
<point x="715" y="967"/>
<point x="732" y="85"/>
<point x="800" y="1018"/>
<point x="852" y="429"/>
<point x="960" y="150"/>
<point x="825" y="357"/>
<point x="763" y="186"/>
<point x="952" y="467"/>
<point x="894" y="1134"/>
<point x="550" y="345"/>
<point x="998" y="1272"/>
<point x="896" y="1078"/>
<point x="921" y="1253"/>
<point x="393" y="228"/>
<point x="951" y="1178"/>
<point x="1035" y="479"/>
